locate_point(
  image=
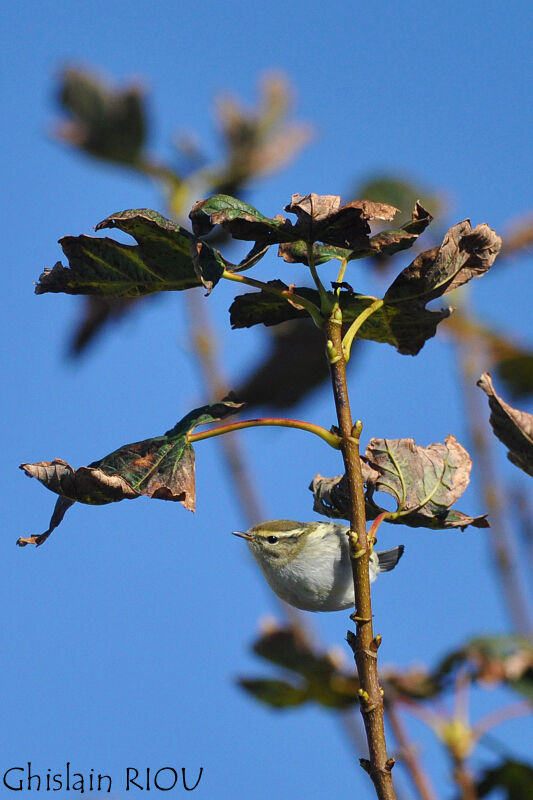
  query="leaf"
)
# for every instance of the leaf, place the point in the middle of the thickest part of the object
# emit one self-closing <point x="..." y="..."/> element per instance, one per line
<point x="161" y="468"/>
<point x="96" y="314"/>
<point x="106" y="122"/>
<point x="512" y="427"/>
<point x="320" y="218"/>
<point x="494" y="660"/>
<point x="425" y="482"/>
<point x="515" y="778"/>
<point x="385" y="243"/>
<point x="240" y="219"/>
<point x="517" y="373"/>
<point x="405" y="329"/>
<point x="513" y="362"/>
<point x="291" y="365"/>
<point x="161" y="261"/>
<point x="464" y="254"/>
<point x="260" y="141"/>
<point x="321" y="678"/>
<point x="274" y="693"/>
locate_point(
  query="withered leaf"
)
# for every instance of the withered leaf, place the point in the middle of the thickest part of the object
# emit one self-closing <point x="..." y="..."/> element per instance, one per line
<point x="161" y="468"/>
<point x="320" y="219"/>
<point x="425" y="483"/>
<point x="464" y="254"/>
<point x="257" y="141"/>
<point x="160" y="261"/>
<point x="492" y="660"/>
<point x="512" y="427"/>
<point x="385" y="243"/>
<point x="106" y="122"/>
<point x="405" y="329"/>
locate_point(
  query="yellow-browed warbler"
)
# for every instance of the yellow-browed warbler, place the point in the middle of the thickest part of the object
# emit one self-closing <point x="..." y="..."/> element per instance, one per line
<point x="308" y="564"/>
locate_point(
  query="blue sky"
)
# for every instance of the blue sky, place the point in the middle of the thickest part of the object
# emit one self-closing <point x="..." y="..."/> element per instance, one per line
<point x="123" y="634"/>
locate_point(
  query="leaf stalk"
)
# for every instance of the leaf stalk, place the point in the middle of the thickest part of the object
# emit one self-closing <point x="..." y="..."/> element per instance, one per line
<point x="286" y="294"/>
<point x="355" y="326"/>
<point x="327" y="436"/>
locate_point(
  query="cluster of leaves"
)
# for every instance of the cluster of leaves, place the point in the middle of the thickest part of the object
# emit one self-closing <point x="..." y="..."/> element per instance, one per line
<point x="310" y="675"/>
<point x="167" y="257"/>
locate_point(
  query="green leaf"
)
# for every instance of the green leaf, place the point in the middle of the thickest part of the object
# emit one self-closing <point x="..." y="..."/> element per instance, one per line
<point x="512" y="427"/>
<point x="296" y="253"/>
<point x="105" y="122"/>
<point x="400" y="192"/>
<point x="424" y="482"/>
<point x="275" y="693"/>
<point x="161" y="261"/>
<point x="405" y="329"/>
<point x="464" y="254"/>
<point x="515" y="778"/>
<point x="321" y="678"/>
<point x="161" y="467"/>
<point x="240" y="219"/>
<point x="517" y="373"/>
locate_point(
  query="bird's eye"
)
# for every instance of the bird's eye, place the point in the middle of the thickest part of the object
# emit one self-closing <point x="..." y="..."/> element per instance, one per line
<point x="272" y="539"/>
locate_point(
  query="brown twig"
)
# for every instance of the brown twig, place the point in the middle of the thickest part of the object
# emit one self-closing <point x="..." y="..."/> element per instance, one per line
<point x="364" y="646"/>
<point x="409" y="756"/>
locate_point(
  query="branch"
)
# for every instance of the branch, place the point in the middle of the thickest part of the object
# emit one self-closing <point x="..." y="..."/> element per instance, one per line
<point x="363" y="643"/>
<point x="408" y="753"/>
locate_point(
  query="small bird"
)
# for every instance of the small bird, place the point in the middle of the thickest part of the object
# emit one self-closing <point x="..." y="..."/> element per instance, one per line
<point x="308" y="564"/>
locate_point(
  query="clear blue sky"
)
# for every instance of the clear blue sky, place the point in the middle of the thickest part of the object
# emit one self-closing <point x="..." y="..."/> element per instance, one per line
<point x="123" y="635"/>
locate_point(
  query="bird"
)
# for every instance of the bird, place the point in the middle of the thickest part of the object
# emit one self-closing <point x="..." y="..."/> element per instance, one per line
<point x="308" y="565"/>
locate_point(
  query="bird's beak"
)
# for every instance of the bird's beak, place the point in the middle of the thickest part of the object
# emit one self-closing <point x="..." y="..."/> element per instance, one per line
<point x="243" y="534"/>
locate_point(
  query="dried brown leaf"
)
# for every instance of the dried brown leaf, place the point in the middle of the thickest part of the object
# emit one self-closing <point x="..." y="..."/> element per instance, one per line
<point x="512" y="427"/>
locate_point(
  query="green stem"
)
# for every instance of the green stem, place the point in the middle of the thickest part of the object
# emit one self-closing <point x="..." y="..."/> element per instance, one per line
<point x="325" y="299"/>
<point x="356" y="324"/>
<point x="340" y="276"/>
<point x="286" y="294"/>
<point x="330" y="438"/>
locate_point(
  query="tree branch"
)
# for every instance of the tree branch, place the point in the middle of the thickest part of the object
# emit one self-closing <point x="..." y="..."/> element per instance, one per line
<point x="363" y="643"/>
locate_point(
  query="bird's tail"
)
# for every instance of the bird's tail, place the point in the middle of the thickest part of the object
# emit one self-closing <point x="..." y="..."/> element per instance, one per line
<point x="388" y="559"/>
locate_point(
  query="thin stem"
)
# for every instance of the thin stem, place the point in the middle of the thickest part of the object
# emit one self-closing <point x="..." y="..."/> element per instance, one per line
<point x="372" y="531"/>
<point x="501" y="715"/>
<point x="464" y="780"/>
<point x="409" y="755"/>
<point x="363" y="643"/>
<point x="340" y="276"/>
<point x="330" y="438"/>
<point x="325" y="299"/>
<point x="356" y="324"/>
<point x="286" y="294"/>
